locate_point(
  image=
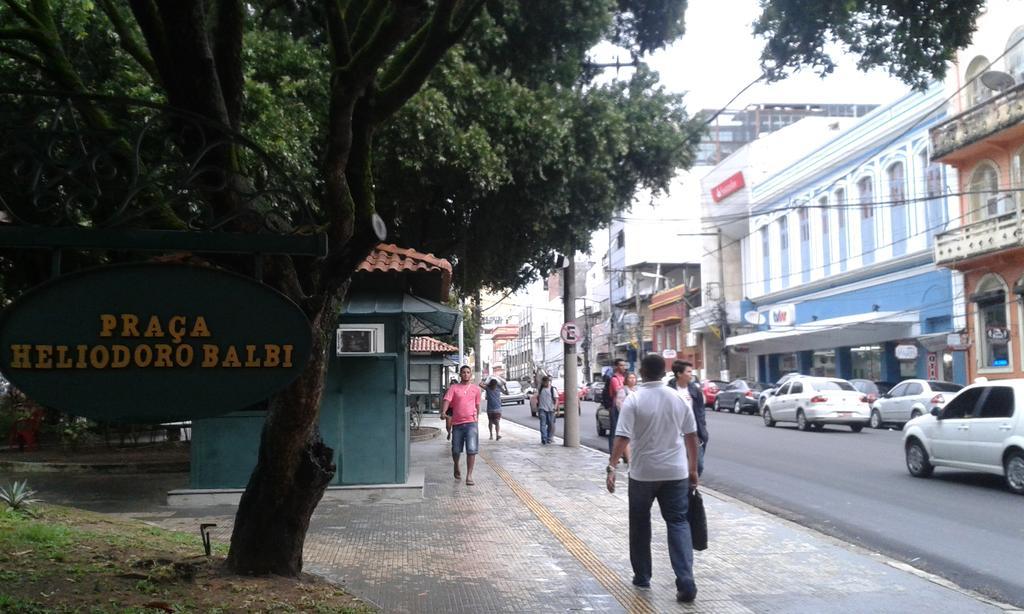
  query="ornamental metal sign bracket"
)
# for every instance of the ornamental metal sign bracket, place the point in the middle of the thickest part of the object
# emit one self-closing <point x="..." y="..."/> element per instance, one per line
<point x="129" y="340"/>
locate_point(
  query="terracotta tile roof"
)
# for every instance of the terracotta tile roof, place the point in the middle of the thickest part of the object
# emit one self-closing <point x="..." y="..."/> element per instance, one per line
<point x="387" y="257"/>
<point x="429" y="344"/>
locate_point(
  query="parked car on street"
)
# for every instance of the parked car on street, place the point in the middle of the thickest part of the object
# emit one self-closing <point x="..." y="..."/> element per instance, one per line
<point x="513" y="394"/>
<point x="604" y="421"/>
<point x="770" y="388"/>
<point x="710" y="388"/>
<point x="738" y="396"/>
<point x="910" y="399"/>
<point x="595" y="391"/>
<point x="813" y="402"/>
<point x="873" y="390"/>
<point x="979" y="429"/>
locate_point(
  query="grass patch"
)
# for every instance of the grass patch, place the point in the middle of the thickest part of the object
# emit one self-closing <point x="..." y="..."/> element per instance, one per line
<point x="66" y="560"/>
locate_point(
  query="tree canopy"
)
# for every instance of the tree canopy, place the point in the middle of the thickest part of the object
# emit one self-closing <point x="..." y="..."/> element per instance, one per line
<point x="912" y="39"/>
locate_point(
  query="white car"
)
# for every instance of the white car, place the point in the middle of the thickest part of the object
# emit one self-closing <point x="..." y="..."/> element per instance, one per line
<point x="762" y="397"/>
<point x="813" y="402"/>
<point x="980" y="429"/>
<point x="910" y="399"/>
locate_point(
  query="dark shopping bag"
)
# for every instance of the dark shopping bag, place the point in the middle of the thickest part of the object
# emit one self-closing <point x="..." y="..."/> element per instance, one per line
<point x="698" y="521"/>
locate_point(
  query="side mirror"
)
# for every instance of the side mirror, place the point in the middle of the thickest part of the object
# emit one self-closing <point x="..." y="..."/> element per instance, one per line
<point x="887" y="395"/>
<point x="937" y="413"/>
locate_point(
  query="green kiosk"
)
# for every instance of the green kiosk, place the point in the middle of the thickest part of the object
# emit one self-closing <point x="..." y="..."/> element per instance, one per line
<point x="395" y="296"/>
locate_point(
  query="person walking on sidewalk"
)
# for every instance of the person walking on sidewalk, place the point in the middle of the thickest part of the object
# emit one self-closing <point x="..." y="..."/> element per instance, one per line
<point x="493" y="395"/>
<point x="464" y="400"/>
<point x="685" y="384"/>
<point x="661" y="431"/>
<point x="547" y="402"/>
<point x="611" y="392"/>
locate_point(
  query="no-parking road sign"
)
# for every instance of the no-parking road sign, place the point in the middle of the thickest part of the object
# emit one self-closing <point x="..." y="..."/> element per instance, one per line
<point x="570" y="334"/>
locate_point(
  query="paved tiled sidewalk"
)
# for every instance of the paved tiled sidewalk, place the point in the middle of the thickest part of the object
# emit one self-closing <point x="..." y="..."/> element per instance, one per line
<point x="539" y="533"/>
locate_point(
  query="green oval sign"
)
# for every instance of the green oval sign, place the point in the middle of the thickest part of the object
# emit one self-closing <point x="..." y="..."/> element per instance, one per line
<point x="152" y="342"/>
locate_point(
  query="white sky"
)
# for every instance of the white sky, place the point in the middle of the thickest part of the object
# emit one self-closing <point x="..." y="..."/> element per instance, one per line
<point x="718" y="56"/>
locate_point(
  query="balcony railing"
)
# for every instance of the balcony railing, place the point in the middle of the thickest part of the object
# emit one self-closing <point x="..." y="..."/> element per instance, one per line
<point x="991" y="116"/>
<point x="979" y="238"/>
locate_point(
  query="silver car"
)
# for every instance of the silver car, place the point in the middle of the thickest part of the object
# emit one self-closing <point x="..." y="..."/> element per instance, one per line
<point x="813" y="402"/>
<point x="909" y="399"/>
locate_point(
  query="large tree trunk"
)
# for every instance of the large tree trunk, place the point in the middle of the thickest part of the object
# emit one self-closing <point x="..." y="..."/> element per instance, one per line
<point x="291" y="474"/>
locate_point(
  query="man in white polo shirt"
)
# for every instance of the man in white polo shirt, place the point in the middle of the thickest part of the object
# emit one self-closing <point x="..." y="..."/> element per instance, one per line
<point x="659" y="427"/>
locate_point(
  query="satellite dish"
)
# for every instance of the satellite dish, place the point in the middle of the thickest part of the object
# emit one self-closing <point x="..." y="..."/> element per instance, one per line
<point x="379" y="227"/>
<point x="754" y="317"/>
<point x="997" y="80"/>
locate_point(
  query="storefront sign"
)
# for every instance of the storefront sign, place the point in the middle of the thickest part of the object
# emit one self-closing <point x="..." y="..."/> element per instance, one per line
<point x="958" y="342"/>
<point x="906" y="352"/>
<point x="730" y="186"/>
<point x="691" y="339"/>
<point x="997" y="335"/>
<point x="782" y="316"/>
<point x="152" y="342"/>
<point x="933" y="365"/>
<point x="668" y="354"/>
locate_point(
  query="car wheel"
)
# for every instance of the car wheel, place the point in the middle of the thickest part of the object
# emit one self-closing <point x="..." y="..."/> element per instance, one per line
<point x="876" y="419"/>
<point x="917" y="460"/>
<point x="1014" y="467"/>
<point x="856" y="428"/>
<point x="736" y="408"/>
<point x="801" y="421"/>
<point x="768" y="417"/>
<point x="714" y="406"/>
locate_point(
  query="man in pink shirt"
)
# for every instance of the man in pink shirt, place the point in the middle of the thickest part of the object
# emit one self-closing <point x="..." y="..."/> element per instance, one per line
<point x="464" y="400"/>
<point x="615" y="384"/>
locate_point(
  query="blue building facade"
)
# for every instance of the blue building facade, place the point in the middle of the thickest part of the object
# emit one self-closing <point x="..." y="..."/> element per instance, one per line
<point x="838" y="261"/>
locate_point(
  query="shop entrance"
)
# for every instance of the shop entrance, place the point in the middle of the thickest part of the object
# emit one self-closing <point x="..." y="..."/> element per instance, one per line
<point x="867" y="362"/>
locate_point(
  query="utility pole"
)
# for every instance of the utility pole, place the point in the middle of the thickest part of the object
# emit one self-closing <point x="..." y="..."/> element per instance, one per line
<point x="640" y="321"/>
<point x="723" y="323"/>
<point x="571" y="430"/>
<point x="586" y="340"/>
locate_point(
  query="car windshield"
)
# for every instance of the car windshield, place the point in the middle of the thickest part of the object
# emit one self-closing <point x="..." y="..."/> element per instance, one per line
<point x="865" y="386"/>
<point x="944" y="387"/>
<point x="833" y="385"/>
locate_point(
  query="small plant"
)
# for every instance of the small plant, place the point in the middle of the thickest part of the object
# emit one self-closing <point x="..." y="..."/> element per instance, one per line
<point x="18" y="496"/>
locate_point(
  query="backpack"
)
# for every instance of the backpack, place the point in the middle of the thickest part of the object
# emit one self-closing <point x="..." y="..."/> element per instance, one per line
<point x="606" y="393"/>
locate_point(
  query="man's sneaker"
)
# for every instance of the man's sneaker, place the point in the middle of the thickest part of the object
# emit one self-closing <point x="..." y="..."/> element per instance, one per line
<point x="640" y="582"/>
<point x="686" y="596"/>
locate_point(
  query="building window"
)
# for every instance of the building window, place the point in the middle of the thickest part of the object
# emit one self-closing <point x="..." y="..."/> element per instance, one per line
<point x="986" y="202"/>
<point x="977" y="93"/>
<point x="841" y="212"/>
<point x="805" y="245"/>
<point x="866" y="196"/>
<point x="993" y="335"/>
<point x="1015" y="55"/>
<point x="1017" y="172"/>
<point x="784" y="249"/>
<point x="826" y="237"/>
<point x="896" y="176"/>
<point x="935" y="208"/>
<point x="620" y="239"/>
<point x="766" y="260"/>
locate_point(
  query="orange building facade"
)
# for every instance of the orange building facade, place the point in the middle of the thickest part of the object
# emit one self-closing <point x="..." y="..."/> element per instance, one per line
<point x="669" y="313"/>
<point x="985" y="143"/>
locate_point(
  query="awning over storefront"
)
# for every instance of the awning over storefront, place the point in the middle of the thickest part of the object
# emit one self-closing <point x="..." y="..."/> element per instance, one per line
<point x="847" y="331"/>
<point x="425" y="316"/>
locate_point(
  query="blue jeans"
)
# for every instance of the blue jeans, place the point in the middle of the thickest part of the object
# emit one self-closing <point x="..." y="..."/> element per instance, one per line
<point x="673" y="501"/>
<point x="465" y="435"/>
<point x="613" y="422"/>
<point x="547" y="425"/>
<point x="700" y="459"/>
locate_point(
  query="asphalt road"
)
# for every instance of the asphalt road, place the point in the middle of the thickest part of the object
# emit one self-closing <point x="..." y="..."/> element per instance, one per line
<point x="962" y="526"/>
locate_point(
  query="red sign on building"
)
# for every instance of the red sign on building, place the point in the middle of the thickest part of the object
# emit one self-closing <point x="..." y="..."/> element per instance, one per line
<point x="730" y="186"/>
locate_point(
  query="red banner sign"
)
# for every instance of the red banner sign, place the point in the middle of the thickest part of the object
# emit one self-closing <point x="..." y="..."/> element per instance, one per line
<point x="730" y="186"/>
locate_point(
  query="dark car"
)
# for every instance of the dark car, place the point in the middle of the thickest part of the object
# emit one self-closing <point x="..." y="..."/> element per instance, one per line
<point x="595" y="391"/>
<point x="873" y="390"/>
<point x="604" y="420"/>
<point x="739" y="396"/>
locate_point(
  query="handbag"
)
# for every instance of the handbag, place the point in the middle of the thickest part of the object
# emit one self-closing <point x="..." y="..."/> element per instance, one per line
<point x="698" y="520"/>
